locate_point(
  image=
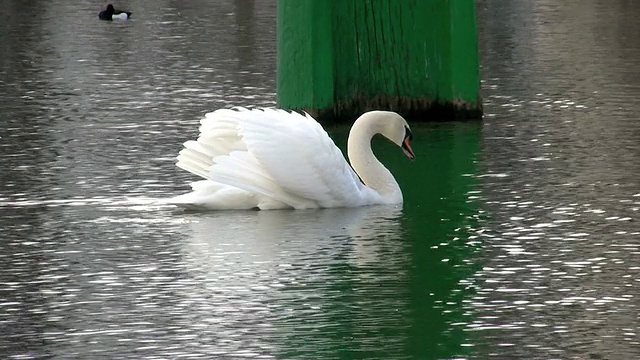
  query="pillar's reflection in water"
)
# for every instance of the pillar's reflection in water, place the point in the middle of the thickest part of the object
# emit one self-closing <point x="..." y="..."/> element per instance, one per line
<point x="373" y="281"/>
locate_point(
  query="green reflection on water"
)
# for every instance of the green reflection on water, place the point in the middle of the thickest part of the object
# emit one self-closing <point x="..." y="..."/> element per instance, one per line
<point x="439" y="220"/>
<point x="414" y="307"/>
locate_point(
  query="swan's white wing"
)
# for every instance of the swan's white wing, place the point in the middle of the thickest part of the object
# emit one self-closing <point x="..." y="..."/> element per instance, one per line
<point x="300" y="157"/>
<point x="283" y="158"/>
<point x="219" y="135"/>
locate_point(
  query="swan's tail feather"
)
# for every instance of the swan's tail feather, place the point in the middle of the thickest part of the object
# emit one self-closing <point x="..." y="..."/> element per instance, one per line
<point x="218" y="136"/>
<point x="192" y="166"/>
<point x="195" y="159"/>
<point x="209" y="195"/>
<point x="199" y="152"/>
<point x="210" y="132"/>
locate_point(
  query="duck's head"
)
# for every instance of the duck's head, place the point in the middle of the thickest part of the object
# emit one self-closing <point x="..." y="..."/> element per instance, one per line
<point x="110" y="8"/>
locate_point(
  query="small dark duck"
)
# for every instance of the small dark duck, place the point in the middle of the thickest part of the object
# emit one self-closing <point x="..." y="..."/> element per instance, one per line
<point x="112" y="14"/>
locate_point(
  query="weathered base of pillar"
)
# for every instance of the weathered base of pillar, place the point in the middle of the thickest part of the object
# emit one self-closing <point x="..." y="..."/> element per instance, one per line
<point x="414" y="110"/>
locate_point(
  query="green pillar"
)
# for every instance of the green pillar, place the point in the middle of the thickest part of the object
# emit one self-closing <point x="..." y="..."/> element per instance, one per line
<point x="339" y="58"/>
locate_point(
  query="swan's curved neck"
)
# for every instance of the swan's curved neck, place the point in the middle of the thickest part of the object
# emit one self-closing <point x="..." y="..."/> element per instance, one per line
<point x="366" y="165"/>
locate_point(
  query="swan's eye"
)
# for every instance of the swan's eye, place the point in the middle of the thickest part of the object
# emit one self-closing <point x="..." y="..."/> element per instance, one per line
<point x="407" y="133"/>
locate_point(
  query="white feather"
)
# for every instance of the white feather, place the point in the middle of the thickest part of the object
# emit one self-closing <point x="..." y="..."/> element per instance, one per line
<point x="121" y="16"/>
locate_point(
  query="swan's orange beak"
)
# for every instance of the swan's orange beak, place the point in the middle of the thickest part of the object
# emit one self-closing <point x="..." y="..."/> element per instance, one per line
<point x="406" y="148"/>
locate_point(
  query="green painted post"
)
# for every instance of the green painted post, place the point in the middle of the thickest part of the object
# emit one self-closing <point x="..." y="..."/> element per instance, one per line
<point x="339" y="58"/>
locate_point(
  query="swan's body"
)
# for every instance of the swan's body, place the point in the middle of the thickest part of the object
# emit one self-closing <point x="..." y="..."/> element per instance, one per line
<point x="272" y="159"/>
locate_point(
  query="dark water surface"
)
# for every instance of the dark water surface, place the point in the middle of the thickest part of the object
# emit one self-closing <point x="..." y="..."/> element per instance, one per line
<point x="518" y="239"/>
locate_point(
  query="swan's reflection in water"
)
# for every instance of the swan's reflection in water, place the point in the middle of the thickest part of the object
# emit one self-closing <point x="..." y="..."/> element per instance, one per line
<point x="288" y="283"/>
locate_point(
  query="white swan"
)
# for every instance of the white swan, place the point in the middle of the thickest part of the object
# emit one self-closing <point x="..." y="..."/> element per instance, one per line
<point x="273" y="159"/>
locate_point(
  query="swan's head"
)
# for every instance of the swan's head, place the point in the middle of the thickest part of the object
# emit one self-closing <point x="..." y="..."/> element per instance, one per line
<point x="395" y="128"/>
